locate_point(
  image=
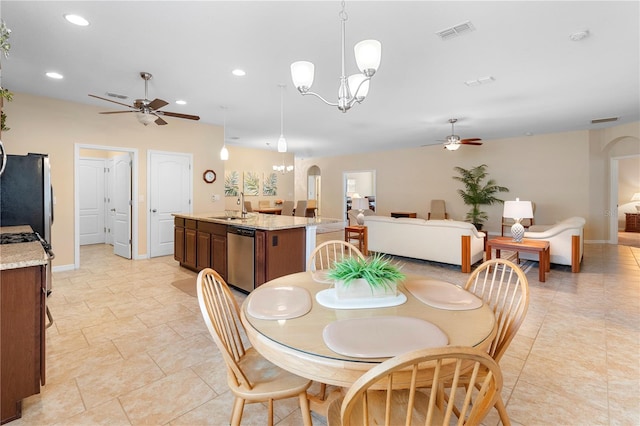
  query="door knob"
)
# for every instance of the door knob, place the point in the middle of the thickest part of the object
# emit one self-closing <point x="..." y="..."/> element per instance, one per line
<point x="113" y="210"/>
<point x="154" y="210"/>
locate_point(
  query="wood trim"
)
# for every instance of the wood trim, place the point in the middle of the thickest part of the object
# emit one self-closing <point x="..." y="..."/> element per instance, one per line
<point x="575" y="253"/>
<point x="466" y="253"/>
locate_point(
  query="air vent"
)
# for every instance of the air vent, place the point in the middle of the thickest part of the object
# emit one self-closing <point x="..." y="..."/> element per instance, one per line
<point x="455" y="31"/>
<point x="479" y="81"/>
<point x="115" y="95"/>
<point x="604" y="120"/>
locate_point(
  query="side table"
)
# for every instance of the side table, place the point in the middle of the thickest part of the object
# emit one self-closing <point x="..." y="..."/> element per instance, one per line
<point x="532" y="246"/>
<point x="357" y="232"/>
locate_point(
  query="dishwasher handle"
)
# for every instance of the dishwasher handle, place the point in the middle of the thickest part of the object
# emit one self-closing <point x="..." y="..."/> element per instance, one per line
<point x="241" y="231"/>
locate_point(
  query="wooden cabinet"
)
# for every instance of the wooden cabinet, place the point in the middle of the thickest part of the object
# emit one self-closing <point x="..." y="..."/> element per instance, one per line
<point x="22" y="333"/>
<point x="279" y="253"/>
<point x="632" y="222"/>
<point x="199" y="245"/>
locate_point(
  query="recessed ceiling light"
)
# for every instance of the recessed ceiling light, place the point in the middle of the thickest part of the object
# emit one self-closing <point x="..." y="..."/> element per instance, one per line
<point x="55" y="75"/>
<point x="479" y="81"/>
<point x="181" y="102"/>
<point x="238" y="72"/>
<point x="76" y="19"/>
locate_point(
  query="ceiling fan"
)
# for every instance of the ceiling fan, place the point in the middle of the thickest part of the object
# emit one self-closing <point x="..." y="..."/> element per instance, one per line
<point x="148" y="111"/>
<point x="453" y="141"/>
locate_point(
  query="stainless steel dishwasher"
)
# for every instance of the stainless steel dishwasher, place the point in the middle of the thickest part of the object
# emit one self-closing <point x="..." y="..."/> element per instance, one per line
<point x="241" y="258"/>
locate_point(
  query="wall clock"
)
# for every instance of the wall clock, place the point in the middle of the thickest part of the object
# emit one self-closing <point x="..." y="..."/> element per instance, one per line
<point x="209" y="176"/>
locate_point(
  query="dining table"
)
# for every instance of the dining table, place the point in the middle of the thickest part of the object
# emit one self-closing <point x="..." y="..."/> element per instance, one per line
<point x="292" y="320"/>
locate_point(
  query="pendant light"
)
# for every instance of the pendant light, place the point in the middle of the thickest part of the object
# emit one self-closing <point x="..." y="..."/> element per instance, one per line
<point x="224" y="152"/>
<point x="282" y="142"/>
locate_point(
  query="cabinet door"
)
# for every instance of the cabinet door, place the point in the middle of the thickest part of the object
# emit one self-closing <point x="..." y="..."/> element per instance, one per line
<point x="203" y="250"/>
<point x="219" y="254"/>
<point x="190" y="247"/>
<point x="178" y="244"/>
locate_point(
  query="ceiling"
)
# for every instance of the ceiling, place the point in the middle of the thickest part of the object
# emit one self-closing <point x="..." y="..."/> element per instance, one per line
<point x="542" y="81"/>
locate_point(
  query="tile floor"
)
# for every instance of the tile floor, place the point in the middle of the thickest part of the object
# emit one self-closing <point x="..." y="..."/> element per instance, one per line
<point x="129" y="348"/>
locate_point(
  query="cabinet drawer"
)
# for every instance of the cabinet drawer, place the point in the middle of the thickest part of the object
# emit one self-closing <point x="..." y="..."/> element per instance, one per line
<point x="212" y="228"/>
<point x="191" y="224"/>
<point x="178" y="221"/>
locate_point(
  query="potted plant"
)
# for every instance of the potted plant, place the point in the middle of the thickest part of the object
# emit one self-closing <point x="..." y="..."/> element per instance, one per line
<point x="372" y="277"/>
<point x="478" y="192"/>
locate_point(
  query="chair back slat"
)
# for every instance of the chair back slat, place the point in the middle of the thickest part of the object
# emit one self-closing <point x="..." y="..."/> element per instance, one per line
<point x="503" y="286"/>
<point x="221" y="314"/>
<point x="329" y="252"/>
<point x="431" y="371"/>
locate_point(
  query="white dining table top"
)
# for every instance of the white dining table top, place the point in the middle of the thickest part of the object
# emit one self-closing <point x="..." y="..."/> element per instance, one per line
<point x="297" y="344"/>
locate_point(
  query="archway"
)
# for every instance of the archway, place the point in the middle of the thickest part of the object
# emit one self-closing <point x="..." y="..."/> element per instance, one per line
<point x="314" y="187"/>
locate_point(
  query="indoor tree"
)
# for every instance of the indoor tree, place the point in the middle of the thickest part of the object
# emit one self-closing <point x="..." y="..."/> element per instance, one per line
<point x="478" y="192"/>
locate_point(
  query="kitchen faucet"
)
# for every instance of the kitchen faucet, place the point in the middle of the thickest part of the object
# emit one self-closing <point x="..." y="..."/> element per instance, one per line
<point x="241" y="202"/>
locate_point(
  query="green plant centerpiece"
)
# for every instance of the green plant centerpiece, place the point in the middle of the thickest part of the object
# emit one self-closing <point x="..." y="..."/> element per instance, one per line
<point x="376" y="276"/>
<point x="477" y="192"/>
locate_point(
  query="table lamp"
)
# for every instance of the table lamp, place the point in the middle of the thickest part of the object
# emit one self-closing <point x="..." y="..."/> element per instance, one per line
<point x="636" y="197"/>
<point x="360" y="204"/>
<point x="517" y="210"/>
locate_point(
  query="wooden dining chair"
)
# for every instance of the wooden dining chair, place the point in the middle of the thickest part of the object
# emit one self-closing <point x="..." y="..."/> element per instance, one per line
<point x="264" y="204"/>
<point x="409" y="389"/>
<point x="301" y="208"/>
<point x="250" y="376"/>
<point x="503" y="286"/>
<point x="247" y="206"/>
<point x="329" y="252"/>
<point x="287" y="208"/>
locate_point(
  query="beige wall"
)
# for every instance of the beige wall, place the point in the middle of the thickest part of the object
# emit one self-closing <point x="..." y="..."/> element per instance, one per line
<point x="54" y="127"/>
<point x="565" y="174"/>
<point x="261" y="161"/>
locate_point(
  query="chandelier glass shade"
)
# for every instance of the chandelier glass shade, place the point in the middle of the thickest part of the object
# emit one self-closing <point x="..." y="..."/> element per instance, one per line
<point x="353" y="89"/>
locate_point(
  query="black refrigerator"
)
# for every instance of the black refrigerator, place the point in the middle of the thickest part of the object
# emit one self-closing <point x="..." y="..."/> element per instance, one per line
<point x="26" y="195"/>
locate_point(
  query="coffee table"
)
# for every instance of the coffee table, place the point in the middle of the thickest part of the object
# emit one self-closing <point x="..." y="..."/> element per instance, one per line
<point x="533" y="246"/>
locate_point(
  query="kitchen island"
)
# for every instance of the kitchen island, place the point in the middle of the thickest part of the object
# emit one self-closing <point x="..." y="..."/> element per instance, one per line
<point x="22" y="318"/>
<point x="246" y="252"/>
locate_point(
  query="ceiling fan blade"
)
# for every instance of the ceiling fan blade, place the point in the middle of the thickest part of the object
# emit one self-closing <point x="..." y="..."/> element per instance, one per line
<point x="178" y="115"/>
<point x="157" y="104"/>
<point x="109" y="100"/>
<point x="470" y="140"/>
<point x="160" y="122"/>
<point x="115" y="112"/>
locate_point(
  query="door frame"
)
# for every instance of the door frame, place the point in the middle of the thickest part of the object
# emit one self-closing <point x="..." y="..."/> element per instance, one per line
<point x="613" y="196"/>
<point x="150" y="153"/>
<point x="76" y="197"/>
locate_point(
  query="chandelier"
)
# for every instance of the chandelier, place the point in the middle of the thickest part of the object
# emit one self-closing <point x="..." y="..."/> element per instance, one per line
<point x="282" y="168"/>
<point x="353" y="88"/>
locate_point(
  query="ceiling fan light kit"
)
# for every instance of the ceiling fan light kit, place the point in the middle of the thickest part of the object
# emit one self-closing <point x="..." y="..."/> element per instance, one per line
<point x="353" y="89"/>
<point x="453" y="141"/>
<point x="147" y="111"/>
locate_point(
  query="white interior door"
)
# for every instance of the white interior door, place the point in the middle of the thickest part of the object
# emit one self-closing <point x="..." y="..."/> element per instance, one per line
<point x="110" y="210"/>
<point x="122" y="203"/>
<point x="91" y="173"/>
<point x="170" y="181"/>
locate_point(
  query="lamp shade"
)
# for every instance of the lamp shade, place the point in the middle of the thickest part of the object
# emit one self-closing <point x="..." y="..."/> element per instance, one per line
<point x="224" y="153"/>
<point x="360" y="203"/>
<point x="282" y="144"/>
<point x="518" y="209"/>
<point x="368" y="54"/>
<point x="302" y="73"/>
<point x="358" y="81"/>
<point x="636" y="197"/>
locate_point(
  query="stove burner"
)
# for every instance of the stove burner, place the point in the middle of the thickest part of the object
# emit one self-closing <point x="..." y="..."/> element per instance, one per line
<point x="19" y="237"/>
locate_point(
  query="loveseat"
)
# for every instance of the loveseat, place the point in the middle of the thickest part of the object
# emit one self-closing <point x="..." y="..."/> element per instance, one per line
<point x="445" y="241"/>
<point x="566" y="241"/>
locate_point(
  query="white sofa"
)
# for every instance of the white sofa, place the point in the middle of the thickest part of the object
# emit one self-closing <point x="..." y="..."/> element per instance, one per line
<point x="566" y="241"/>
<point x="446" y="241"/>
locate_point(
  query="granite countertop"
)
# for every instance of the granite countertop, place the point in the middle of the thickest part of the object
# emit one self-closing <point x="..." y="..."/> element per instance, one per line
<point x="21" y="255"/>
<point x="267" y="222"/>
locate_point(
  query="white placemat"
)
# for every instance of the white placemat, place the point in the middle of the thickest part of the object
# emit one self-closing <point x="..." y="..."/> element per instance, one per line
<point x="276" y="303"/>
<point x="442" y="295"/>
<point x="381" y="337"/>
